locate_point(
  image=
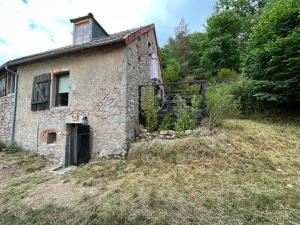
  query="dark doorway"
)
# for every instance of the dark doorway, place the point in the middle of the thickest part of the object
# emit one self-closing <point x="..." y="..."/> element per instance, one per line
<point x="78" y="145"/>
<point x="83" y="144"/>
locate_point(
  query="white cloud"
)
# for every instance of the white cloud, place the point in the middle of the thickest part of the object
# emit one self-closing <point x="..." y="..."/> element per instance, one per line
<point x="50" y="26"/>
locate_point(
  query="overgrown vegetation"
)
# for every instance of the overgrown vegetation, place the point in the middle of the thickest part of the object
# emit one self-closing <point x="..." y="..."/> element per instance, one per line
<point x="167" y="123"/>
<point x="185" y="116"/>
<point x="256" y="38"/>
<point x="221" y="104"/>
<point x="2" y="146"/>
<point x="245" y="172"/>
<point x="150" y="108"/>
<point x="272" y="60"/>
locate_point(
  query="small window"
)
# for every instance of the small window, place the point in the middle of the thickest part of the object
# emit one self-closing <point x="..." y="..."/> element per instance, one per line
<point x="148" y="43"/>
<point x="81" y="34"/>
<point x="3" y="80"/>
<point x="51" y="138"/>
<point x="62" y="90"/>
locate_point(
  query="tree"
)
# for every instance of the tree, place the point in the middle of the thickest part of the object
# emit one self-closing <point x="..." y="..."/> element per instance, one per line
<point x="196" y="41"/>
<point x="242" y="7"/>
<point x="247" y="10"/>
<point x="172" y="71"/>
<point x="185" y="48"/>
<point x="221" y="46"/>
<point x="180" y="48"/>
<point x="272" y="56"/>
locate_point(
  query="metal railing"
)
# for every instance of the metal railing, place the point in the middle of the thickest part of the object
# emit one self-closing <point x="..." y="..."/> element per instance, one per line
<point x="171" y="94"/>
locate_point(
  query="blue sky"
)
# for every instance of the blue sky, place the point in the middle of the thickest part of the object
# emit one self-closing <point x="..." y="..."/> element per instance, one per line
<point x="195" y="13"/>
<point x="39" y="25"/>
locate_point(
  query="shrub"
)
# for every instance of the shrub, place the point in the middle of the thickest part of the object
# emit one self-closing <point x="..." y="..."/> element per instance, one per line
<point x="150" y="108"/>
<point x="197" y="102"/>
<point x="172" y="71"/>
<point x="221" y="104"/>
<point x="168" y="122"/>
<point x="227" y="75"/>
<point x="185" y="116"/>
<point x="187" y="91"/>
<point x="2" y="146"/>
<point x="13" y="148"/>
<point x="245" y="92"/>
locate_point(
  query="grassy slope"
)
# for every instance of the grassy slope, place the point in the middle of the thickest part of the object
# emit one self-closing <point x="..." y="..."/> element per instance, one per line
<point x="248" y="172"/>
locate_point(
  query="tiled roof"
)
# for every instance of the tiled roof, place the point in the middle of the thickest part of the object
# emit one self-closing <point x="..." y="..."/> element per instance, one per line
<point x="121" y="37"/>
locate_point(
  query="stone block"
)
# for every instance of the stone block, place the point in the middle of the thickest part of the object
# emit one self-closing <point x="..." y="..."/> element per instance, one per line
<point x="164" y="132"/>
<point x="188" y="132"/>
<point x="172" y="132"/>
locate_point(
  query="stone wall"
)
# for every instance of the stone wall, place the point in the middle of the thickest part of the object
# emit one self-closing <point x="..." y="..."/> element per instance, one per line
<point x="97" y="90"/>
<point x="144" y="135"/>
<point x="138" y="59"/>
<point x="6" y="109"/>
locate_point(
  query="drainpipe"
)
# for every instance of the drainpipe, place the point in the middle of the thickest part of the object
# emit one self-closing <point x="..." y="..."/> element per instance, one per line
<point x="12" y="134"/>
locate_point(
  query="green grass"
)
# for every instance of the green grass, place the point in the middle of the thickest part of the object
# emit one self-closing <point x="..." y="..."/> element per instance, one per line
<point x="246" y="172"/>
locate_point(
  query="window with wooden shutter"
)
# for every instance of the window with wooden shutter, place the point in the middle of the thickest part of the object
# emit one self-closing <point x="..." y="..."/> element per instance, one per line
<point x="41" y="92"/>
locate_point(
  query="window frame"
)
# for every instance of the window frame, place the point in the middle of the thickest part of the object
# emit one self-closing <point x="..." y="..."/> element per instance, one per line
<point x="55" y="88"/>
<point x="41" y="92"/>
<point x="82" y="39"/>
<point x="51" y="136"/>
<point x="4" y="91"/>
<point x="9" y="87"/>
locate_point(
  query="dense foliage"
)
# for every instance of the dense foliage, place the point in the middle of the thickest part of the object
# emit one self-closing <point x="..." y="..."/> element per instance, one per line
<point x="272" y="56"/>
<point x="221" y="104"/>
<point x="150" y="108"/>
<point x="221" y="46"/>
<point x="259" y="39"/>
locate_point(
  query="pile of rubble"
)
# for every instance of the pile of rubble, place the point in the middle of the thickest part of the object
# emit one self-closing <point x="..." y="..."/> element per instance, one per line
<point x="144" y="135"/>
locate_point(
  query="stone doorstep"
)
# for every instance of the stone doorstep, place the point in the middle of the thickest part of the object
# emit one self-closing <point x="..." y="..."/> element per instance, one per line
<point x="61" y="169"/>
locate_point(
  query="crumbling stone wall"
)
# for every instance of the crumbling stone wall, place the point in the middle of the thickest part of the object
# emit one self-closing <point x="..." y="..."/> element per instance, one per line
<point x="6" y="109"/>
<point x="97" y="90"/>
<point x="138" y="58"/>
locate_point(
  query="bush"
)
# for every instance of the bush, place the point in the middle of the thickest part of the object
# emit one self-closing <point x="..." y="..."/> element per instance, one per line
<point x="197" y="102"/>
<point x="150" y="108"/>
<point x="185" y="116"/>
<point x="14" y="148"/>
<point x="168" y="122"/>
<point x="221" y="104"/>
<point x="245" y="93"/>
<point x="172" y="71"/>
<point x="2" y="146"/>
<point x="188" y="91"/>
<point x="227" y="75"/>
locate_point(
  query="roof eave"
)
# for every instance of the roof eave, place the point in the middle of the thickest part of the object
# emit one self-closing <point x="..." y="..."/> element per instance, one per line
<point x="18" y="62"/>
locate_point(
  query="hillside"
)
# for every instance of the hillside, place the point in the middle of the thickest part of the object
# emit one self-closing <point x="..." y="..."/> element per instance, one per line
<point x="247" y="172"/>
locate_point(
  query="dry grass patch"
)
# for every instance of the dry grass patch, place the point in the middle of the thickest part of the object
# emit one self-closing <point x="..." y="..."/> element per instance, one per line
<point x="246" y="172"/>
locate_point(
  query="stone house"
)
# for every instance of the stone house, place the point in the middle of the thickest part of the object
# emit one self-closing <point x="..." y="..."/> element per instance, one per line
<point x="79" y="101"/>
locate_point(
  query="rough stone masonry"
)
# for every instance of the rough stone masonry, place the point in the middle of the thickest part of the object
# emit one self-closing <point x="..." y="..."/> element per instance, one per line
<point x="103" y="87"/>
<point x="6" y="110"/>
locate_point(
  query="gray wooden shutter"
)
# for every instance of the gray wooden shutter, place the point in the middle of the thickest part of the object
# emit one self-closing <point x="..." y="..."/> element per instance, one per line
<point x="41" y="92"/>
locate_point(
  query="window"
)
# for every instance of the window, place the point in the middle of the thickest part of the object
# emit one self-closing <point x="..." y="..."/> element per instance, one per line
<point x="51" y="138"/>
<point x="81" y="35"/>
<point x="62" y="90"/>
<point x="41" y="92"/>
<point x="3" y="83"/>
